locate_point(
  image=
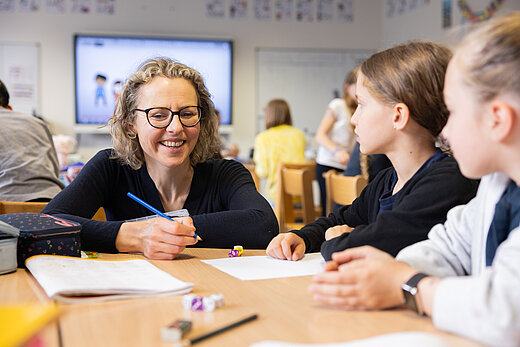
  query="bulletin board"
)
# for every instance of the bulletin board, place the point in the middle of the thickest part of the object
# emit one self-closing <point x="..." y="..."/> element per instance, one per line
<point x="307" y="79"/>
<point x="20" y="72"/>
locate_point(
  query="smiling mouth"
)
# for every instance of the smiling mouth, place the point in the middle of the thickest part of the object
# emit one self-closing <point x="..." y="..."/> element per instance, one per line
<point x="172" y="144"/>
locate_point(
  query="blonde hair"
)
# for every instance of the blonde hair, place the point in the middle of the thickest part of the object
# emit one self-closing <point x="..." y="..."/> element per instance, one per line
<point x="413" y="74"/>
<point x="277" y="113"/>
<point x="489" y="57"/>
<point x="126" y="146"/>
<point x="350" y="100"/>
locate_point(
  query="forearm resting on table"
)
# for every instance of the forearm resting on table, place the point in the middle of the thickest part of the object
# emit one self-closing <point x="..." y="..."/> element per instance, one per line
<point x="336" y="231"/>
<point x="128" y="238"/>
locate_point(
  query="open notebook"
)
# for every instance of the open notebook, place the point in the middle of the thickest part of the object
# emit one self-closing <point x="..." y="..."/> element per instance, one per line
<point x="69" y="279"/>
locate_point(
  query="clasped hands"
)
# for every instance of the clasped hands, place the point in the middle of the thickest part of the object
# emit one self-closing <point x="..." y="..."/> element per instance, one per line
<point x="357" y="278"/>
<point x="361" y="278"/>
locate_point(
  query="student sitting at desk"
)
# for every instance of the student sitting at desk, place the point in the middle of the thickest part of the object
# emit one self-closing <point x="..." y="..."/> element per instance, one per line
<point x="164" y="131"/>
<point x="400" y="112"/>
<point x="471" y="280"/>
<point x="29" y="168"/>
<point x="279" y="143"/>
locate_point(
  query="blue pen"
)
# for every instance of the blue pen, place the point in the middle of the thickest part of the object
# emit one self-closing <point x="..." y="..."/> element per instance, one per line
<point x="156" y="211"/>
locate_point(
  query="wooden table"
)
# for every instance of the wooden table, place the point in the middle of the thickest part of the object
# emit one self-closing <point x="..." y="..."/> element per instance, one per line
<point x="286" y="311"/>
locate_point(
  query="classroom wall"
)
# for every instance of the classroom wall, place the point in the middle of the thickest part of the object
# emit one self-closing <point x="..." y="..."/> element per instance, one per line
<point x="425" y="22"/>
<point x="180" y="18"/>
<point x="371" y="29"/>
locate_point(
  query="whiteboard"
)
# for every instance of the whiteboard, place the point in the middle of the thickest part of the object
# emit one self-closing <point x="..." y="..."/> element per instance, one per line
<point x="307" y="79"/>
<point x="19" y="70"/>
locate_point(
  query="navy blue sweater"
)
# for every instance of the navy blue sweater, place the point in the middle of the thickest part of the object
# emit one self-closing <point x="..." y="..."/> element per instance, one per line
<point x="423" y="202"/>
<point x="225" y="207"/>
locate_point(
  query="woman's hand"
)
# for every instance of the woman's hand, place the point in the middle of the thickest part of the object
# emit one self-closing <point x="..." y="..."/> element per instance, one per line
<point x="156" y="238"/>
<point x="361" y="278"/>
<point x="342" y="156"/>
<point x="337" y="231"/>
<point x="286" y="246"/>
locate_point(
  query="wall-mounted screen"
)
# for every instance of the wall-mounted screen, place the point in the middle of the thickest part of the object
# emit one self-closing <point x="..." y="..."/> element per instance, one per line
<point x="102" y="63"/>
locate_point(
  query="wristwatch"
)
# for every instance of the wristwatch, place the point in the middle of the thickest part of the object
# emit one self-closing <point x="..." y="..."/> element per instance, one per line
<point x="410" y="292"/>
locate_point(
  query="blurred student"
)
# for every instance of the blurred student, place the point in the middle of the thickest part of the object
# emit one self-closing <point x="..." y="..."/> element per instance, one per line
<point x="400" y="113"/>
<point x="366" y="165"/>
<point x="280" y="142"/>
<point x="29" y="168"/>
<point x="466" y="275"/>
<point x="227" y="150"/>
<point x="335" y="135"/>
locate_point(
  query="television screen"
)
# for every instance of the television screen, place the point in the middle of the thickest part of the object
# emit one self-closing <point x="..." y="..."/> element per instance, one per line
<point x="102" y="63"/>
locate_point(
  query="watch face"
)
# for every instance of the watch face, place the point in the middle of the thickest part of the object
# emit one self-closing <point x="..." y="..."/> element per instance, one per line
<point x="409" y="300"/>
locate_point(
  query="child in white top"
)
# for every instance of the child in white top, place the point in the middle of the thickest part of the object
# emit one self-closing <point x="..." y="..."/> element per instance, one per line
<point x="472" y="285"/>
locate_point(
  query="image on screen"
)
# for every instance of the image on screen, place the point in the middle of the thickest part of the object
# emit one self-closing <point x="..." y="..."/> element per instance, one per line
<point x="102" y="63"/>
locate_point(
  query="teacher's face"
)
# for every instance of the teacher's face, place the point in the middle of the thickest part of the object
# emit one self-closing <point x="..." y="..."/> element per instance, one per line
<point x="171" y="146"/>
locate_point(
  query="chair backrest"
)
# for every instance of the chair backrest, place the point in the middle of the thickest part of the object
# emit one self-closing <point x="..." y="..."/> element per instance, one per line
<point x="342" y="189"/>
<point x="20" y="207"/>
<point x="256" y="179"/>
<point x="36" y="207"/>
<point x="295" y="180"/>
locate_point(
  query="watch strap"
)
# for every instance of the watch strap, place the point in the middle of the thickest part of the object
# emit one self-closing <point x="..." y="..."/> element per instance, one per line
<point x="410" y="291"/>
<point x="415" y="279"/>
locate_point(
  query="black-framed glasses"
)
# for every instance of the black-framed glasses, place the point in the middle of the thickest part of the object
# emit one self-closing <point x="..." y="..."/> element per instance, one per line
<point x="161" y="117"/>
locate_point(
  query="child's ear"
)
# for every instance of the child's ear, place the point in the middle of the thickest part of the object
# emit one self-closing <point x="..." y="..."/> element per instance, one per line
<point x="501" y="120"/>
<point x="401" y="116"/>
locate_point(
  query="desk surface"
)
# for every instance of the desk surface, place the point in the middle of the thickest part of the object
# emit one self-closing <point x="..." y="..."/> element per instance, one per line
<point x="286" y="311"/>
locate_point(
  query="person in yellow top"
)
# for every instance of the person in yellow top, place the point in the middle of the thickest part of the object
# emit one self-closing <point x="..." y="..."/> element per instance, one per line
<point x="280" y="142"/>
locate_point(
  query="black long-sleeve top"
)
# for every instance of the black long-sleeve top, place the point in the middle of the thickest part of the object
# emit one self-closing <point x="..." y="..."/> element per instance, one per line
<point x="223" y="202"/>
<point x="423" y="202"/>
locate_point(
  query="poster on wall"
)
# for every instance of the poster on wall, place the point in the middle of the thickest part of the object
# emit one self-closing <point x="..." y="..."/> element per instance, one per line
<point x="55" y="6"/>
<point x="390" y="8"/>
<point x="106" y="6"/>
<point x="446" y="14"/>
<point x="80" y="6"/>
<point x="283" y="10"/>
<point x="238" y="9"/>
<point x="6" y="5"/>
<point x="325" y="11"/>
<point x="19" y="71"/>
<point x="29" y="5"/>
<point x="401" y="6"/>
<point x="345" y="10"/>
<point x="475" y="17"/>
<point x="215" y="9"/>
<point x="262" y="9"/>
<point x="304" y="10"/>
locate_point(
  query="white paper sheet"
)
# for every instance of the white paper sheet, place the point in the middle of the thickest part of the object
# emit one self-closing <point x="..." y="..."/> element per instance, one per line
<point x="265" y="267"/>
<point x="411" y="338"/>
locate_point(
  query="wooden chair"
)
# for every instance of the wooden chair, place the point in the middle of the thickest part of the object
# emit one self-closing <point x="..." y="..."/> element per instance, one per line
<point x="342" y="189"/>
<point x="256" y="179"/>
<point x="35" y="207"/>
<point x="20" y="207"/>
<point x="295" y="180"/>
